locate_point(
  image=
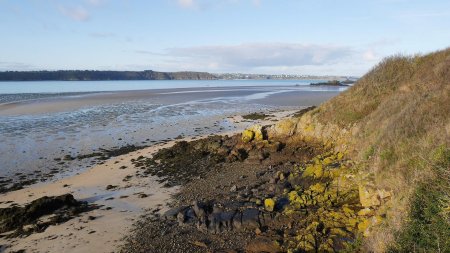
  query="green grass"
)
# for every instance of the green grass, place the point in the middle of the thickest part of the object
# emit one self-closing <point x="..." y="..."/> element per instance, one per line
<point x="427" y="230"/>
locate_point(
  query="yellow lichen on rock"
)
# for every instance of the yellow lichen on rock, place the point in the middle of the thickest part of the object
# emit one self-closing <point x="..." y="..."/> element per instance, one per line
<point x="368" y="196"/>
<point x="315" y="171"/>
<point x="247" y="135"/>
<point x="258" y="132"/>
<point x="269" y="204"/>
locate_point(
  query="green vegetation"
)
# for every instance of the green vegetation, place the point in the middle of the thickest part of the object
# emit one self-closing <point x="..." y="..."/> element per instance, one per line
<point x="255" y="116"/>
<point x="92" y="75"/>
<point x="427" y="230"/>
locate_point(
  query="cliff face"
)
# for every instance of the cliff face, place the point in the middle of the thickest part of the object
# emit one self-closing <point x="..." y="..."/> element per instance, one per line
<point x="90" y="75"/>
<point x="394" y="125"/>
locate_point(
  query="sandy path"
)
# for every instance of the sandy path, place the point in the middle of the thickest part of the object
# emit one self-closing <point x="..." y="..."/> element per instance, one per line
<point x="103" y="233"/>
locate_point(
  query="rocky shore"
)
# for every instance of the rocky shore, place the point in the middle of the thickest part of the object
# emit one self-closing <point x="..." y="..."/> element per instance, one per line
<point x="264" y="190"/>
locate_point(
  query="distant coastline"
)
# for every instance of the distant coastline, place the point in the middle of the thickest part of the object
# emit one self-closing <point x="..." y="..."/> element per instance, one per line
<point x="97" y="75"/>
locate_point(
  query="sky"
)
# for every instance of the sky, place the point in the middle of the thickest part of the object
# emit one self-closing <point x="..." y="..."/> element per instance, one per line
<point x="306" y="37"/>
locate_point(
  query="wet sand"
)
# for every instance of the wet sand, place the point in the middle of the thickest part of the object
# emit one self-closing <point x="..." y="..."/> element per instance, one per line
<point x="262" y="95"/>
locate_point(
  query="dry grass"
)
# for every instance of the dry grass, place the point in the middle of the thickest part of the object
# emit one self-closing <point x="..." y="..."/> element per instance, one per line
<point x="402" y="110"/>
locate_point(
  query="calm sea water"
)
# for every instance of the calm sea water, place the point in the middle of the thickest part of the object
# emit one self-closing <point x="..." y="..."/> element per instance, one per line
<point x="93" y="86"/>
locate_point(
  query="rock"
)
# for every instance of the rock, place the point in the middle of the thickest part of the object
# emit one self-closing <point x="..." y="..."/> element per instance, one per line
<point x="181" y="218"/>
<point x="262" y="245"/>
<point x="366" y="212"/>
<point x="68" y="158"/>
<point x="237" y="221"/>
<point x="226" y="219"/>
<point x="171" y="214"/>
<point x="368" y="196"/>
<point x="110" y="187"/>
<point x="199" y="211"/>
<point x="247" y="136"/>
<point x="315" y="171"/>
<point x="257" y="131"/>
<point x="250" y="218"/>
<point x="62" y="208"/>
<point x="284" y="128"/>
<point x="269" y="204"/>
<point x="233" y="188"/>
<point x="29" y="228"/>
<point x="214" y="223"/>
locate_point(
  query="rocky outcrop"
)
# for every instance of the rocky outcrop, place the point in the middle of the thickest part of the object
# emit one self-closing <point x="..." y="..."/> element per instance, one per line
<point x="27" y="219"/>
<point x="217" y="217"/>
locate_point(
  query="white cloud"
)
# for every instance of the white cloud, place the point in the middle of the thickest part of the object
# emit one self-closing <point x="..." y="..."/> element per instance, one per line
<point x="265" y="58"/>
<point x="264" y="54"/>
<point x="77" y="13"/>
<point x="369" y="55"/>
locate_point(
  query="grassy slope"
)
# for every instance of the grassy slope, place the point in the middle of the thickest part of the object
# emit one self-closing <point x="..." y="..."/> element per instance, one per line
<point x="401" y="109"/>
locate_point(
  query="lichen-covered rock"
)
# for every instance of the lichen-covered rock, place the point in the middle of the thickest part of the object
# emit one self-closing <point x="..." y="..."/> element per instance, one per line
<point x="258" y="132"/>
<point x="269" y="204"/>
<point x="284" y="128"/>
<point x="368" y="196"/>
<point x="247" y="135"/>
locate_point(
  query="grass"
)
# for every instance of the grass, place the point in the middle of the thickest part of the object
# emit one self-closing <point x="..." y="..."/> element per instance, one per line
<point x="427" y="230"/>
<point x="402" y="108"/>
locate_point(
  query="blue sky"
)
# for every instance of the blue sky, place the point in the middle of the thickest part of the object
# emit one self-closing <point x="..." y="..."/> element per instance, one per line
<point x="317" y="37"/>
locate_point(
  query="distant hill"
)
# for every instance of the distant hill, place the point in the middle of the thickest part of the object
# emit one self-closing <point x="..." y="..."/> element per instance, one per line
<point x="93" y="75"/>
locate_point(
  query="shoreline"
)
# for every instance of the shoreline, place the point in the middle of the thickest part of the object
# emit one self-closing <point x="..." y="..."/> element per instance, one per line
<point x="130" y="197"/>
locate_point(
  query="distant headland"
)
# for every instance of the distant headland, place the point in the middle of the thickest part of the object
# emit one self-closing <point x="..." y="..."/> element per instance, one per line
<point x="101" y="75"/>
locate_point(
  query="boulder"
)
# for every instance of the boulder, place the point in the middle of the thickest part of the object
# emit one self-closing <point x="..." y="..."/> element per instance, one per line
<point x="250" y="218"/>
<point x="257" y="131"/>
<point x="247" y="135"/>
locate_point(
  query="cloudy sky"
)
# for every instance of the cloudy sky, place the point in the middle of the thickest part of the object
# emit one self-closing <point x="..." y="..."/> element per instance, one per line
<point x="318" y="37"/>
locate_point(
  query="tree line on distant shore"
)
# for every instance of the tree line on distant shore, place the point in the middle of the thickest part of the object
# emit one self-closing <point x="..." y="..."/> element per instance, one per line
<point x="95" y="75"/>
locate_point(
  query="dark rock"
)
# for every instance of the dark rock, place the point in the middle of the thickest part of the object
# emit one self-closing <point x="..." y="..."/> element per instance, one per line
<point x="110" y="187"/>
<point x="171" y="214"/>
<point x="199" y="210"/>
<point x="63" y="207"/>
<point x="226" y="219"/>
<point x="181" y="217"/>
<point x="250" y="218"/>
